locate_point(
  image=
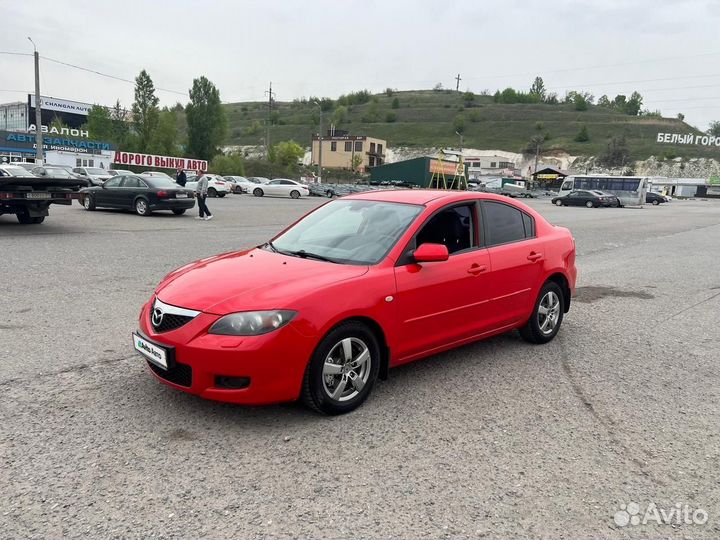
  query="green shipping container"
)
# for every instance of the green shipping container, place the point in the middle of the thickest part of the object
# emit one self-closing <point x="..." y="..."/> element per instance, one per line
<point x="416" y="171"/>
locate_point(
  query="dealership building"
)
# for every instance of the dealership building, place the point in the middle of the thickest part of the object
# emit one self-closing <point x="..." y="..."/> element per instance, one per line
<point x="69" y="145"/>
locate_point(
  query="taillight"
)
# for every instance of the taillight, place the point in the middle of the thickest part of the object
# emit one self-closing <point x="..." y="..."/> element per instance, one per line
<point x="7" y="195"/>
<point x="163" y="194"/>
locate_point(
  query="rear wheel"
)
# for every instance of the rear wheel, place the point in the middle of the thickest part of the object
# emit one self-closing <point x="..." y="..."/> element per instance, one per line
<point x="590" y="204"/>
<point x="295" y="194"/>
<point x="656" y="202"/>
<point x="89" y="202"/>
<point x="25" y="219"/>
<point x="342" y="370"/>
<point x="258" y="192"/>
<point x="179" y="211"/>
<point x="559" y="203"/>
<point x="142" y="208"/>
<point x="212" y="192"/>
<point x="547" y="315"/>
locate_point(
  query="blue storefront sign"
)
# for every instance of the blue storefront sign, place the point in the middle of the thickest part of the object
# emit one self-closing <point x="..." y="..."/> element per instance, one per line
<point x="11" y="141"/>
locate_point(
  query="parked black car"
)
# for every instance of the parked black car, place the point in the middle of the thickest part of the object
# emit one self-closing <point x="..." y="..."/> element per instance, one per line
<point x="143" y="194"/>
<point x="591" y="199"/>
<point x="655" y="198"/>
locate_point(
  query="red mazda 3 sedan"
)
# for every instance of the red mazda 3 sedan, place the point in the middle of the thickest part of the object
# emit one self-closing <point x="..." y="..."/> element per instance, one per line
<point x="357" y="286"/>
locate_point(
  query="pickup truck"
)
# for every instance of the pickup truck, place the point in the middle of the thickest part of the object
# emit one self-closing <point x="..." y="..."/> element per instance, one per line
<point x="29" y="197"/>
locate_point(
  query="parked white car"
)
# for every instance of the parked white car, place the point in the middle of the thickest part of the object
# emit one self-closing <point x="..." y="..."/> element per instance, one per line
<point x="282" y="187"/>
<point x="119" y="172"/>
<point x="217" y="185"/>
<point x="157" y="174"/>
<point x="96" y="175"/>
<point x="245" y="184"/>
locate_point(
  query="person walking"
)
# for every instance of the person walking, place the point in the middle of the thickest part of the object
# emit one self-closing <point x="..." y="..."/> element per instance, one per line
<point x="201" y="192"/>
<point x="181" y="178"/>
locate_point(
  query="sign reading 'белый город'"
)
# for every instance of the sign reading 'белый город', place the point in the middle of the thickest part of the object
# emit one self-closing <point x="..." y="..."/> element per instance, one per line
<point x="688" y="138"/>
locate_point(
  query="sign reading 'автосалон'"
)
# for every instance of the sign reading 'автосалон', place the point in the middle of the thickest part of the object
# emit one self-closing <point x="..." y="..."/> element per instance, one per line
<point x="688" y="138"/>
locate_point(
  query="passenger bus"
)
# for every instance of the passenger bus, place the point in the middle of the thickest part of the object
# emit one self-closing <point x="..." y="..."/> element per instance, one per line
<point x="630" y="190"/>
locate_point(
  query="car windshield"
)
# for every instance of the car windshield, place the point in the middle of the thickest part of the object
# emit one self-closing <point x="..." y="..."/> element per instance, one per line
<point x="160" y="182"/>
<point x="16" y="171"/>
<point x="349" y="232"/>
<point x="96" y="170"/>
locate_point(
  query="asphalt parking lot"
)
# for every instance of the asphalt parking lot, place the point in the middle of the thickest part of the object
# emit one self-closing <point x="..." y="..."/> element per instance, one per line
<point x="496" y="439"/>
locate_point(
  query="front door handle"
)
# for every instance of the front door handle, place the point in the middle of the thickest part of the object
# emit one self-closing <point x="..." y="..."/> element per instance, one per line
<point x="534" y="256"/>
<point x="476" y="269"/>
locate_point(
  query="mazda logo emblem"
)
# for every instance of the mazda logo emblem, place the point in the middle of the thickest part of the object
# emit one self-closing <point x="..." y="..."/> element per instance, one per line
<point x="157" y="317"/>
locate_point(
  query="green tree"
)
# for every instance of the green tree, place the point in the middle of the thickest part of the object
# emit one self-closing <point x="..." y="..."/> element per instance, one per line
<point x="620" y="103"/>
<point x="356" y="161"/>
<point x="604" y="101"/>
<point x="390" y="117"/>
<point x="580" y="102"/>
<point x="395" y="103"/>
<point x="340" y="115"/>
<point x="714" y="128"/>
<point x="165" y="141"/>
<point x="634" y="104"/>
<point x="468" y="98"/>
<point x="121" y="126"/>
<point x="228" y="164"/>
<point x="254" y="128"/>
<point x="681" y="117"/>
<point x="459" y="123"/>
<point x="582" y="135"/>
<point x="616" y="153"/>
<point x="287" y="153"/>
<point x="207" y="124"/>
<point x="145" y="111"/>
<point x="372" y="114"/>
<point x="100" y="124"/>
<point x="538" y="88"/>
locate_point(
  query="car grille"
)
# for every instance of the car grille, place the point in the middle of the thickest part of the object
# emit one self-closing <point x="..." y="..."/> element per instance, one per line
<point x="180" y="374"/>
<point x="171" y="322"/>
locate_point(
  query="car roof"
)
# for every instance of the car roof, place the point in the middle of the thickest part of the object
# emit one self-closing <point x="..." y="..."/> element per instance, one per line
<point x="424" y="196"/>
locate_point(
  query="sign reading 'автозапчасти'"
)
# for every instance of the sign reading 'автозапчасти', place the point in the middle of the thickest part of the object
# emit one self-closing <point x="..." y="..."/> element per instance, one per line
<point x="688" y="138"/>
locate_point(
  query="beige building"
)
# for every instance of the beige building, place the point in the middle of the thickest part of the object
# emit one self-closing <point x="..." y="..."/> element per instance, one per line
<point x="344" y="151"/>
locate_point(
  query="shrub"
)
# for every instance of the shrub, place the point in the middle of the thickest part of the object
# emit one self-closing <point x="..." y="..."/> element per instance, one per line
<point x="390" y="117"/>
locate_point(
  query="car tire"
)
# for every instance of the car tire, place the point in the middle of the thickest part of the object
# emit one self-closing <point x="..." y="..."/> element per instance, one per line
<point x="655" y="202"/>
<point x="258" y="192"/>
<point x="295" y="194"/>
<point x="329" y="194"/>
<point x="590" y="204"/>
<point x="221" y="195"/>
<point x="25" y="219"/>
<point x="88" y="203"/>
<point x="559" y="203"/>
<point x="142" y="207"/>
<point x="543" y="327"/>
<point x="344" y="346"/>
<point x="179" y="211"/>
<point x="212" y="192"/>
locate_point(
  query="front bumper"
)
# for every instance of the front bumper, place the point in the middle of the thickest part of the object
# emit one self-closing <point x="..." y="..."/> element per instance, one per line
<point x="274" y="363"/>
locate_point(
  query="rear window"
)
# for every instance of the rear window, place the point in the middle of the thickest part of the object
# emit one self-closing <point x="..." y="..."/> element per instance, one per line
<point x="159" y="182"/>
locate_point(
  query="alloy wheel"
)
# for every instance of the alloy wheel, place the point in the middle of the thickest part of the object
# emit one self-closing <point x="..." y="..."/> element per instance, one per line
<point x="347" y="369"/>
<point x="141" y="207"/>
<point x="548" y="312"/>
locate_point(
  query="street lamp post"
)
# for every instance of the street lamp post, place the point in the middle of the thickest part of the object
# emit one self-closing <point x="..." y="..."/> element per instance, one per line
<point x="38" y="115"/>
<point x="319" y="165"/>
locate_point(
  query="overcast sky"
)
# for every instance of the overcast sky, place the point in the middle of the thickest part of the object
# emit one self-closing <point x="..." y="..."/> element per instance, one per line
<point x="664" y="49"/>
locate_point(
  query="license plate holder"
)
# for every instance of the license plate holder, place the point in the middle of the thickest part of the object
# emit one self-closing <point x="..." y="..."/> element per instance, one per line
<point x="163" y="356"/>
<point x="41" y="195"/>
<point x="182" y="196"/>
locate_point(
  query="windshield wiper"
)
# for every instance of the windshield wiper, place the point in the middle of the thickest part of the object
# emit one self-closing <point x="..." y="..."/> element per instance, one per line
<point x="271" y="246"/>
<point x="307" y="255"/>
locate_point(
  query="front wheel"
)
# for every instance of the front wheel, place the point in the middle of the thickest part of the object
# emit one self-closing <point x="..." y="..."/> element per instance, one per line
<point x="258" y="192"/>
<point x="547" y="315"/>
<point x="89" y="202"/>
<point x="656" y="202"/>
<point x="589" y="204"/>
<point x="295" y="194"/>
<point x="179" y="211"/>
<point x="142" y="208"/>
<point x="342" y="370"/>
<point x="221" y="195"/>
<point x="559" y="203"/>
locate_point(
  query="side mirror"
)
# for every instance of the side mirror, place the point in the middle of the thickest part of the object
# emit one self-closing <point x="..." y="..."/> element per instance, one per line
<point x="431" y="253"/>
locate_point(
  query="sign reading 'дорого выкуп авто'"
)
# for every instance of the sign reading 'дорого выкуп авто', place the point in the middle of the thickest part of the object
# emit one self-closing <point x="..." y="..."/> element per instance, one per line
<point x="688" y="138"/>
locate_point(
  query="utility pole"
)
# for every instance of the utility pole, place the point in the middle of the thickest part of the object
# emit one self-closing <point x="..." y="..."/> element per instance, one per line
<point x="457" y="85"/>
<point x="319" y="167"/>
<point x="38" y="115"/>
<point x="267" y="134"/>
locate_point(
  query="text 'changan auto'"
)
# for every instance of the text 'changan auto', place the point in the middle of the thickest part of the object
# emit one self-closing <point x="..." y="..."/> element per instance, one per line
<point x="357" y="286"/>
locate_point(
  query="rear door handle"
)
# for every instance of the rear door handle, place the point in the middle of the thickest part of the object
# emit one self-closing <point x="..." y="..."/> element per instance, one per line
<point x="476" y="269"/>
<point x="534" y="256"/>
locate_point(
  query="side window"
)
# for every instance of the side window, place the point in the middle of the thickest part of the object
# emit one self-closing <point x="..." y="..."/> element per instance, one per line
<point x="113" y="182"/>
<point x="287" y="183"/>
<point x="504" y="223"/>
<point x="529" y="225"/>
<point x="275" y="182"/>
<point x="131" y="182"/>
<point x="452" y="227"/>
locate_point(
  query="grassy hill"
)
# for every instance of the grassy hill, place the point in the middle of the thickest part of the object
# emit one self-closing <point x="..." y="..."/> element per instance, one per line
<point x="425" y="119"/>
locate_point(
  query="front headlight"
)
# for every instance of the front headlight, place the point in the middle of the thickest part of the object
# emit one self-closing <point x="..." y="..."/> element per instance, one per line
<point x="251" y="323"/>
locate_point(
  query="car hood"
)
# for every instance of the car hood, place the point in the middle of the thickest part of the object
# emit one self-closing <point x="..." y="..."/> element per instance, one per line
<point x="248" y="280"/>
